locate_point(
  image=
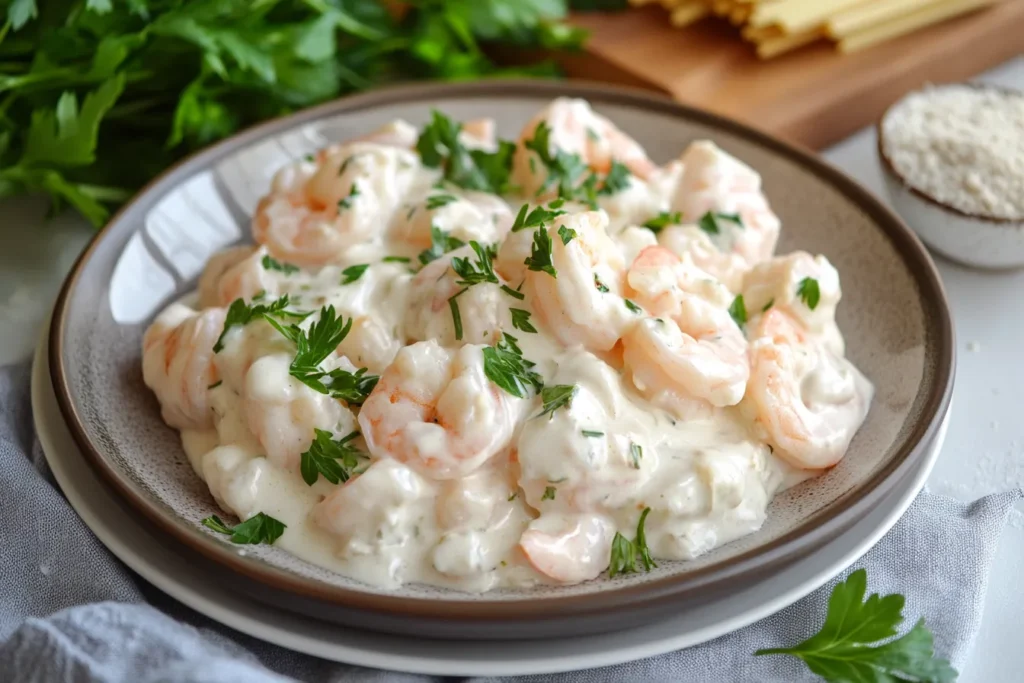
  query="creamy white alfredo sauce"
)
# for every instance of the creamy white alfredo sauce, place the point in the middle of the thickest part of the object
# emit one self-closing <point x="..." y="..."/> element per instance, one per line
<point x="672" y="398"/>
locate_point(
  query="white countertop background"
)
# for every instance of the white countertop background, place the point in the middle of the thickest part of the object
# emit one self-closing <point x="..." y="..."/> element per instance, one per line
<point x="984" y="450"/>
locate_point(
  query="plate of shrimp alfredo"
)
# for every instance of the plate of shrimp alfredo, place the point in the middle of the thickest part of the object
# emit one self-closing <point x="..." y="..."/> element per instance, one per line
<point x="503" y="359"/>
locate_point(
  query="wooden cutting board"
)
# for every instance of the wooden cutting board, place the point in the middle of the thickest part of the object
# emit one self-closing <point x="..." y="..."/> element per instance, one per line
<point x="813" y="96"/>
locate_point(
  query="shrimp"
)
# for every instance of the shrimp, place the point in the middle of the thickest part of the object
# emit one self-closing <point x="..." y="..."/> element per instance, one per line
<point x="581" y="303"/>
<point x="346" y="196"/>
<point x="177" y="364"/>
<point x="235" y="273"/>
<point x="465" y="215"/>
<point x="809" y="401"/>
<point x="576" y="129"/>
<point x="716" y="182"/>
<point x="569" y="548"/>
<point x="483" y="308"/>
<point x="436" y="410"/>
<point x="282" y="412"/>
<point x="370" y="344"/>
<point x="694" y="349"/>
<point x="782" y="283"/>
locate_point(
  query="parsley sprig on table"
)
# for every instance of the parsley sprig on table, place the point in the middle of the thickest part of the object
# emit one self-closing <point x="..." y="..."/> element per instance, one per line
<point x="854" y="642"/>
<point x="334" y="459"/>
<point x="97" y="97"/>
<point x="260" y="528"/>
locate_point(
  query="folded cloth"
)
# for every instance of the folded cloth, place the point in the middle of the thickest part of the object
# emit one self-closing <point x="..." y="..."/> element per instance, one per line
<point x="69" y="611"/>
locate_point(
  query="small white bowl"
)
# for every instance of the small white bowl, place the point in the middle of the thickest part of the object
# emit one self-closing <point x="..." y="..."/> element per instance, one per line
<point x="970" y="239"/>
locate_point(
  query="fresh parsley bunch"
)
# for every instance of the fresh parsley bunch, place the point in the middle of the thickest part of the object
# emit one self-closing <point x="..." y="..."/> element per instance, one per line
<point x="98" y="96"/>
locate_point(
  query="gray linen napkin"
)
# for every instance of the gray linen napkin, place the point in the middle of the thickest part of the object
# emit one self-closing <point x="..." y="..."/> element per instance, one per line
<point x="69" y="611"/>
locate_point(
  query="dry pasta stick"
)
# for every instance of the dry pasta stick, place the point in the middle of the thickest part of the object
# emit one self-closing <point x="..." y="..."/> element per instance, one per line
<point x="684" y="15"/>
<point x="860" y="18"/>
<point x="773" y="47"/>
<point x="759" y="34"/>
<point x="766" y="13"/>
<point x="739" y="14"/>
<point x="815" y="14"/>
<point x="908" y="23"/>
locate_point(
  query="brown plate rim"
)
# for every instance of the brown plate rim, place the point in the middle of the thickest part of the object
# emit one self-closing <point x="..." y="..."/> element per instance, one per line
<point x="745" y="567"/>
<point x="889" y="168"/>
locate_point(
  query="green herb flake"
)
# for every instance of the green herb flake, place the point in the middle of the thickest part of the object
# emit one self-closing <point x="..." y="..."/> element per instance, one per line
<point x="567" y="234"/>
<point x="537" y="218"/>
<point x="396" y="259"/>
<point x="636" y="452"/>
<point x="539" y="259"/>
<point x="473" y="169"/>
<point x="505" y="366"/>
<point x="440" y="244"/>
<point x="270" y="263"/>
<point x="453" y="305"/>
<point x="592" y="434"/>
<point x="710" y="222"/>
<point x="335" y="460"/>
<point x="738" y="310"/>
<point x="856" y="641"/>
<point x="438" y="200"/>
<point x="663" y="220"/>
<point x="600" y="285"/>
<point x="617" y="179"/>
<point x="809" y="292"/>
<point x="555" y="397"/>
<point x="513" y="293"/>
<point x="260" y="528"/>
<point x="521" y="320"/>
<point x="633" y="308"/>
<point x="215" y="384"/>
<point x="549" y="493"/>
<point x="353" y="273"/>
<point x="625" y="552"/>
<point x="241" y="314"/>
<point x="512" y="496"/>
<point x="481" y="270"/>
<point x="771" y="302"/>
<point x="346" y="203"/>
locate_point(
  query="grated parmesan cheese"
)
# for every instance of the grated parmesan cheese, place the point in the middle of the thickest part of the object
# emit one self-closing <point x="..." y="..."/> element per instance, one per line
<point x="962" y="146"/>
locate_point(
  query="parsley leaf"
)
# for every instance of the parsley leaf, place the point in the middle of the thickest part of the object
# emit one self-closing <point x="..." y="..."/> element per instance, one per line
<point x="845" y="649"/>
<point x="590" y="433"/>
<point x="346" y="202"/>
<point x="271" y="263"/>
<point x="521" y="320"/>
<point x="567" y="234"/>
<point x="600" y="285"/>
<point x="395" y="259"/>
<point x="438" y="200"/>
<point x="241" y="313"/>
<point x="771" y="302"/>
<point x="536" y="218"/>
<point x="505" y="366"/>
<point x="513" y="293"/>
<point x="353" y="273"/>
<point x="738" y="310"/>
<point x="633" y="308"/>
<point x="334" y="459"/>
<point x="663" y="220"/>
<point x="260" y="528"/>
<point x="616" y="180"/>
<point x="625" y="552"/>
<point x="440" y="244"/>
<point x="809" y="292"/>
<point x="540" y="254"/>
<point x="456" y="314"/>
<point x="636" y="452"/>
<point x="710" y="222"/>
<point x="555" y="397"/>
<point x="549" y="493"/>
<point x="439" y="147"/>
<point x="482" y="270"/>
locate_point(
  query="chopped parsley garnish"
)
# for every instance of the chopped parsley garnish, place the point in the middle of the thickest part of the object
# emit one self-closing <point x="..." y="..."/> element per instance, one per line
<point x="334" y="459"/>
<point x="633" y="308"/>
<point x="549" y="493"/>
<point x="521" y="320"/>
<point x="625" y="552"/>
<point x="536" y="218"/>
<point x="809" y="292"/>
<point x="540" y="254"/>
<point x="353" y="273"/>
<point x="855" y="644"/>
<point x="346" y="203"/>
<point x="663" y="220"/>
<point x="616" y="180"/>
<point x="453" y="305"/>
<point x="271" y="263"/>
<point x="738" y="310"/>
<point x="307" y="157"/>
<point x="259" y="295"/>
<point x="440" y="244"/>
<point x="345" y="164"/>
<point x="512" y="496"/>
<point x="438" y="200"/>
<point x="555" y="397"/>
<point x="482" y="270"/>
<point x="771" y="302"/>
<point x="260" y="528"/>
<point x="439" y="147"/>
<point x="513" y="293"/>
<point x="600" y="285"/>
<point x="567" y="234"/>
<point x="505" y="366"/>
<point x="241" y="313"/>
<point x="314" y="346"/>
<point x="395" y="259"/>
<point x="636" y="452"/>
<point x="592" y="434"/>
<point x="215" y="384"/>
<point x="709" y="222"/>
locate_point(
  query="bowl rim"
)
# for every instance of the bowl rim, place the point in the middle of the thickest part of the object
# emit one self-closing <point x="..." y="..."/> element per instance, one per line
<point x="890" y="168"/>
<point x="747" y="566"/>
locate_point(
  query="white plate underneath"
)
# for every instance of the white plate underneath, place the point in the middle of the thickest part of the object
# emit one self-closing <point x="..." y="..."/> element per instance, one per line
<point x="155" y="559"/>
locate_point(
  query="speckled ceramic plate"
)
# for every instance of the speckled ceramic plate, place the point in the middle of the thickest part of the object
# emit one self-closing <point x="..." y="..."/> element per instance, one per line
<point x="894" y="315"/>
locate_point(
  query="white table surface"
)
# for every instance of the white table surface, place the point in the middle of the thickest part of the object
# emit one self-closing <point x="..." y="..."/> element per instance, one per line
<point x="984" y="450"/>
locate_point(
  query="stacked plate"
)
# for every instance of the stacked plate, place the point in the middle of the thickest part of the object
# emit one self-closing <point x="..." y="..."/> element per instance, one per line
<point x="125" y="473"/>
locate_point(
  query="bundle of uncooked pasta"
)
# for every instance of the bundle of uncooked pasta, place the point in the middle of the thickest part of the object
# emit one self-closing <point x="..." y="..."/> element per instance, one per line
<point x="778" y="26"/>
